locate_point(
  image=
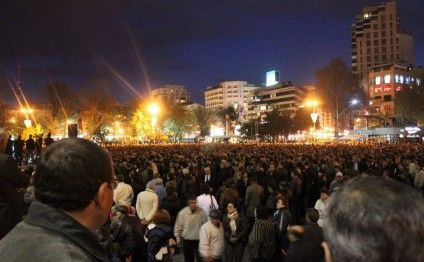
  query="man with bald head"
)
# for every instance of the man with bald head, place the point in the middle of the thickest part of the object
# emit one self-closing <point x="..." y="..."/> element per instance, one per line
<point x="10" y="180"/>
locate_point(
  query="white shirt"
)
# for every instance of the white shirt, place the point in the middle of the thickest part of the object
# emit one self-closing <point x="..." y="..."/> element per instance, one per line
<point x="123" y="194"/>
<point x="321" y="207"/>
<point x="147" y="204"/>
<point x="211" y="241"/>
<point x="419" y="179"/>
<point x="207" y="178"/>
<point x="204" y="202"/>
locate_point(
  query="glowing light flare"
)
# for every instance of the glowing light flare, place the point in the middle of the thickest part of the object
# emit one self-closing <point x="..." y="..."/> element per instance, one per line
<point x="311" y="103"/>
<point x="314" y="117"/>
<point x="153" y="109"/>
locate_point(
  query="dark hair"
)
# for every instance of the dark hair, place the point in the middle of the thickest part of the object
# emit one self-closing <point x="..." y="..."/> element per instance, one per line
<point x="375" y="219"/>
<point x="191" y="198"/>
<point x="262" y="212"/>
<point x="70" y="172"/>
<point x="162" y="216"/>
<point x="324" y="190"/>
<point x="205" y="189"/>
<point x="312" y="214"/>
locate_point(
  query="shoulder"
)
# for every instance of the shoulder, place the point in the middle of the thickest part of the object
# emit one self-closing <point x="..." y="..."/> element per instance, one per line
<point x="36" y="244"/>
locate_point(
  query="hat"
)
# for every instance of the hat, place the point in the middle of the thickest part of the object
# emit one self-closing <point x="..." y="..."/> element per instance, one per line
<point x="339" y="174"/>
<point x="215" y="214"/>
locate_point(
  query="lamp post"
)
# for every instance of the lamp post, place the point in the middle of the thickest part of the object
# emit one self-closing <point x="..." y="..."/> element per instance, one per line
<point x="314" y="115"/>
<point x="352" y="103"/>
<point x="26" y="112"/>
<point x="153" y="110"/>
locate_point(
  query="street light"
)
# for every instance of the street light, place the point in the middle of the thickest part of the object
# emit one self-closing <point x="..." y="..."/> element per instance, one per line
<point x="352" y="103"/>
<point x="154" y="110"/>
<point x="26" y="112"/>
<point x="314" y="115"/>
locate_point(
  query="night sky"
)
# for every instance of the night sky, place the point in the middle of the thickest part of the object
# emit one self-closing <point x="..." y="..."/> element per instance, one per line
<point x="193" y="43"/>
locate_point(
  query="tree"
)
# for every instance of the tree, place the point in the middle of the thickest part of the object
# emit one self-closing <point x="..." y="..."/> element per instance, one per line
<point x="409" y="104"/>
<point x="276" y="124"/>
<point x="202" y="117"/>
<point x="302" y="120"/>
<point x="63" y="104"/>
<point x="178" y="123"/>
<point x="336" y="86"/>
<point x="97" y="107"/>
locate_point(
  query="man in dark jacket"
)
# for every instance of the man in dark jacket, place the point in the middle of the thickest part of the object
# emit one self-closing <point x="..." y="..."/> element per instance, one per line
<point x="10" y="180"/>
<point x="236" y="230"/>
<point x="281" y="220"/>
<point x="313" y="235"/>
<point x="70" y="205"/>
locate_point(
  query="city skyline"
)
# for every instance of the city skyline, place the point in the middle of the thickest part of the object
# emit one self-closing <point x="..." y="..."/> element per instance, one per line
<point x="184" y="43"/>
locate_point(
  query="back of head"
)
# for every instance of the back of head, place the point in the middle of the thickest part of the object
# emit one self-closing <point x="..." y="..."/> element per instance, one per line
<point x="312" y="215"/>
<point x="70" y="172"/>
<point x="374" y="219"/>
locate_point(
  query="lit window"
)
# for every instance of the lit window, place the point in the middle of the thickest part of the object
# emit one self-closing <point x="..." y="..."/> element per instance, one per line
<point x="418" y="81"/>
<point x="378" y="80"/>
<point x="397" y="78"/>
<point x="387" y="79"/>
<point x="408" y="80"/>
<point x="401" y="79"/>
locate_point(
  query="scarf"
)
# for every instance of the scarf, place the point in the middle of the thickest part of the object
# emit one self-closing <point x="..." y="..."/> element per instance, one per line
<point x="233" y="224"/>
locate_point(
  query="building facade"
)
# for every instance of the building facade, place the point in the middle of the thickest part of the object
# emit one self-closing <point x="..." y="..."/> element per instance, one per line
<point x="385" y="81"/>
<point x="231" y="93"/>
<point x="377" y="40"/>
<point x="284" y="97"/>
<point x="174" y="94"/>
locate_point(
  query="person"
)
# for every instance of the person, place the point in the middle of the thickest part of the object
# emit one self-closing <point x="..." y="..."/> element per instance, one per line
<point x="186" y="229"/>
<point x="39" y="145"/>
<point x="211" y="238"/>
<point x="159" y="237"/>
<point x="19" y="149"/>
<point x="254" y="195"/>
<point x="123" y="193"/>
<point x="236" y="230"/>
<point x="48" y="140"/>
<point x="30" y="146"/>
<point x="171" y="203"/>
<point x="9" y="147"/>
<point x="147" y="203"/>
<point x="281" y="220"/>
<point x="374" y="219"/>
<point x="229" y="195"/>
<point x="299" y="250"/>
<point x="337" y="182"/>
<point x="74" y="194"/>
<point x="261" y="242"/>
<point x="313" y="236"/>
<point x="320" y="206"/>
<point x="206" y="200"/>
<point x="160" y="189"/>
<point x="11" y="180"/>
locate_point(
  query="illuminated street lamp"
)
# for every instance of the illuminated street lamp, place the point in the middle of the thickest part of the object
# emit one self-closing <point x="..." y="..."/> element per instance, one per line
<point x="26" y="112"/>
<point x="154" y="110"/>
<point x="314" y="115"/>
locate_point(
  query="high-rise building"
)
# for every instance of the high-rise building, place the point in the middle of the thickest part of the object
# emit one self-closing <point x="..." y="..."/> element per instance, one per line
<point x="377" y="39"/>
<point x="175" y="94"/>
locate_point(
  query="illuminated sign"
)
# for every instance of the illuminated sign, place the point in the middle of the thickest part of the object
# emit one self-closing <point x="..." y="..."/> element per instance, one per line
<point x="272" y="77"/>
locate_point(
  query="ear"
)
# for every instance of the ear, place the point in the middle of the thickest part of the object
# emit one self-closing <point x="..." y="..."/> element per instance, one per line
<point x="327" y="253"/>
<point x="103" y="196"/>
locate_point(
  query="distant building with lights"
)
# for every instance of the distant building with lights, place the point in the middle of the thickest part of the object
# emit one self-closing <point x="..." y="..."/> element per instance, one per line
<point x="378" y="40"/>
<point x="174" y="94"/>
<point x="230" y="93"/>
<point x="385" y="81"/>
<point x="284" y="97"/>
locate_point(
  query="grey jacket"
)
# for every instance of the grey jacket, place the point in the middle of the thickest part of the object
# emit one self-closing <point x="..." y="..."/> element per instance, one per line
<point x="48" y="234"/>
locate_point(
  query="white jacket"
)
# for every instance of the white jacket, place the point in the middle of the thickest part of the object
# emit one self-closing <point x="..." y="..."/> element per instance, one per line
<point x="211" y="241"/>
<point x="320" y="206"/>
<point x="147" y="204"/>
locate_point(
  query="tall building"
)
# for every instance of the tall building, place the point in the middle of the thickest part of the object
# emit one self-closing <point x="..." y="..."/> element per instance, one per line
<point x="385" y="81"/>
<point x="377" y="39"/>
<point x="231" y="93"/>
<point x="175" y="94"/>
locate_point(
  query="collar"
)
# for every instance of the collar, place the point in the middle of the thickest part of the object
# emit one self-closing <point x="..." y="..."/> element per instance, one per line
<point x="44" y="216"/>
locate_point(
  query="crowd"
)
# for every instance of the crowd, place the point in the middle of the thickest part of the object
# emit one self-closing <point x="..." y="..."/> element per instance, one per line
<point x="220" y="203"/>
